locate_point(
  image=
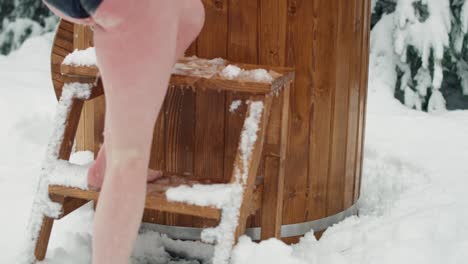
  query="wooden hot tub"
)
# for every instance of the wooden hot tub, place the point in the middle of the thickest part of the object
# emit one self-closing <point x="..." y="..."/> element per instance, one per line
<point x="327" y="43"/>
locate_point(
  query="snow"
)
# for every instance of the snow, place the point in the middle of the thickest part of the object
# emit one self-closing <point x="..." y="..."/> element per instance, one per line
<point x="430" y="38"/>
<point x="233" y="72"/>
<point x="85" y="57"/>
<point x="235" y="105"/>
<point x="413" y="209"/>
<point x="212" y="195"/>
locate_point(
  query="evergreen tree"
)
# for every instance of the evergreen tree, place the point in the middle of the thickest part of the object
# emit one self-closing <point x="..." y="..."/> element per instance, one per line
<point x="429" y="39"/>
<point x="21" y="19"/>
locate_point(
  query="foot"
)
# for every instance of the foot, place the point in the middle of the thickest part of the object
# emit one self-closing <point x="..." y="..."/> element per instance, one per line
<point x="98" y="169"/>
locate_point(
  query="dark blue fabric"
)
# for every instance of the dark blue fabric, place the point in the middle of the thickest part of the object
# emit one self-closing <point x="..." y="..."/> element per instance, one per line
<point x="76" y="8"/>
<point x="91" y="5"/>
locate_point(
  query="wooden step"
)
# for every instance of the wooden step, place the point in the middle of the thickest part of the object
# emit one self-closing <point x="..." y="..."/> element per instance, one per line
<point x="156" y="197"/>
<point x="205" y="75"/>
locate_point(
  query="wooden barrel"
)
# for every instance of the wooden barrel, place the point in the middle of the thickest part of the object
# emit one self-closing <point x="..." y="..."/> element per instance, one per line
<point x="327" y="43"/>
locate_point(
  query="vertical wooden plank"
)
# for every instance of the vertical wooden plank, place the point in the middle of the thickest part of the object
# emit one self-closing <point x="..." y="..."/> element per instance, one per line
<point x="272" y="30"/>
<point x="321" y="113"/>
<point x="88" y="127"/>
<point x="275" y="168"/>
<point x="179" y="129"/>
<point x="212" y="40"/>
<point x="242" y="47"/>
<point x="252" y="165"/>
<point x="362" y="95"/>
<point x="299" y="55"/>
<point x="353" y="106"/>
<point x="43" y="239"/>
<point x="234" y="121"/>
<point x="209" y="133"/>
<point x="243" y="16"/>
<point x="344" y="38"/>
<point x="210" y="105"/>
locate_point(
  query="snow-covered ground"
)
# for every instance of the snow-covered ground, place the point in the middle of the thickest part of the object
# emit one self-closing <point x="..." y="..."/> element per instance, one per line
<point x="414" y="205"/>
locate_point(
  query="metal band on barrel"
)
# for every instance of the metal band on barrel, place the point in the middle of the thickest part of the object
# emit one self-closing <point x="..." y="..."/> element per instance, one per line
<point x="292" y="230"/>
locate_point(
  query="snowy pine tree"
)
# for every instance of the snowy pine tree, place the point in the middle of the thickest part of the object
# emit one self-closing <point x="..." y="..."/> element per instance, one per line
<point x="21" y="19"/>
<point x="430" y="51"/>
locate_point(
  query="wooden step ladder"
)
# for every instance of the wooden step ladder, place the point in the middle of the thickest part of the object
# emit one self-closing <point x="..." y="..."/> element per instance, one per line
<point x="244" y="190"/>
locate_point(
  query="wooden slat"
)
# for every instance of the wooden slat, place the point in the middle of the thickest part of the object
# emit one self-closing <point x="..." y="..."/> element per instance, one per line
<point x="214" y="83"/>
<point x="252" y="165"/>
<point x="86" y="71"/>
<point x="241" y="48"/>
<point x="353" y="106"/>
<point x="154" y="201"/>
<point x="209" y="133"/>
<point x="243" y="35"/>
<point x="83" y="38"/>
<point x="362" y="95"/>
<point x="272" y="30"/>
<point x="180" y="131"/>
<point x="300" y="54"/>
<point x="336" y="177"/>
<point x="67" y="26"/>
<point x="43" y="239"/>
<point x="211" y="43"/>
<point x="275" y="168"/>
<point x="233" y="127"/>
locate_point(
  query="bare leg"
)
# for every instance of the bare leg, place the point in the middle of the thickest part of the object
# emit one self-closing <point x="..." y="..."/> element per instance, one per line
<point x="98" y="169"/>
<point x="136" y="48"/>
<point x="190" y="23"/>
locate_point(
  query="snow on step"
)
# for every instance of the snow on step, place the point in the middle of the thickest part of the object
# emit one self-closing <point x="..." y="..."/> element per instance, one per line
<point x="189" y="66"/>
<point x="213" y="195"/>
<point x="85" y="57"/>
<point x="232" y="72"/>
<point x="67" y="174"/>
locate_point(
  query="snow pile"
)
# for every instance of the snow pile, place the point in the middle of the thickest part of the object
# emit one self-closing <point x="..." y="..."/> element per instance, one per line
<point x="235" y="105"/>
<point x="233" y="72"/>
<point x="64" y="173"/>
<point x="15" y="32"/>
<point x="429" y="36"/>
<point x="212" y="195"/>
<point x="85" y="57"/>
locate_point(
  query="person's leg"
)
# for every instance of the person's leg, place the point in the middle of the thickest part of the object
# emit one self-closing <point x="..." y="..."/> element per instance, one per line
<point x="136" y="49"/>
<point x="190" y="24"/>
<point x="97" y="171"/>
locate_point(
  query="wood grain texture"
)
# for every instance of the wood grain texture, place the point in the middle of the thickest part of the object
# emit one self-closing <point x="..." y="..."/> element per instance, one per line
<point x="300" y="55"/>
<point x="43" y="239"/>
<point x="362" y="95"/>
<point x="339" y="124"/>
